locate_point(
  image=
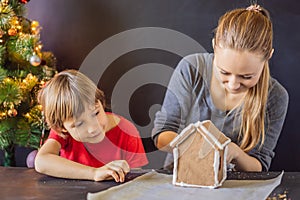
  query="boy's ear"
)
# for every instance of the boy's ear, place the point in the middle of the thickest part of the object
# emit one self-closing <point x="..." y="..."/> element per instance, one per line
<point x="63" y="130"/>
<point x="60" y="130"/>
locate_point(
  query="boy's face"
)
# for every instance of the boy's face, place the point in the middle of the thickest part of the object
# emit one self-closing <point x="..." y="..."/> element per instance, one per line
<point x="90" y="126"/>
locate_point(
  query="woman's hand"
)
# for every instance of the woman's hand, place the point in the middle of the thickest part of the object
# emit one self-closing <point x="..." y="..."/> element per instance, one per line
<point x="164" y="139"/>
<point x="233" y="153"/>
<point x="241" y="160"/>
<point x="116" y="170"/>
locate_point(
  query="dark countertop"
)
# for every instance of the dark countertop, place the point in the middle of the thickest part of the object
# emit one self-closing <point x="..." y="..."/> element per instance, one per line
<point x="23" y="183"/>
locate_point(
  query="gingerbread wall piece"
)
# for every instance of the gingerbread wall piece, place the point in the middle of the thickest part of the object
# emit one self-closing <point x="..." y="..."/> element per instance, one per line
<point x="200" y="152"/>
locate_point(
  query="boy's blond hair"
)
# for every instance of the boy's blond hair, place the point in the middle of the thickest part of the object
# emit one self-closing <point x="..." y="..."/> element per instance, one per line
<point x="66" y="95"/>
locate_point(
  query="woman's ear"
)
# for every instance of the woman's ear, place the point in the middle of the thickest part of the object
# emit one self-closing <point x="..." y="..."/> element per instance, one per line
<point x="271" y="54"/>
<point x="213" y="43"/>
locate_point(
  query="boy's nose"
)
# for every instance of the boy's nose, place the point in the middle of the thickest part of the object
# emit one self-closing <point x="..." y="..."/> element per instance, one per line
<point x="92" y="129"/>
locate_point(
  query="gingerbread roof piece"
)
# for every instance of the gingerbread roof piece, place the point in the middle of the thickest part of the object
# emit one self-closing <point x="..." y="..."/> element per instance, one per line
<point x="200" y="152"/>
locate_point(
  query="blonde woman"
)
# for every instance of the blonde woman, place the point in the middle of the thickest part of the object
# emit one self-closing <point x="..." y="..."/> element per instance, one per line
<point x="231" y="87"/>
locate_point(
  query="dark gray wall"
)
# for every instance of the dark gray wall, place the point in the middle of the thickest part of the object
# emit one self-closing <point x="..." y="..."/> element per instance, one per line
<point x="72" y="29"/>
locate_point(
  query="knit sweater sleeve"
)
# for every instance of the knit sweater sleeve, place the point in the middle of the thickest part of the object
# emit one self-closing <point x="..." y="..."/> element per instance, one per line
<point x="178" y="97"/>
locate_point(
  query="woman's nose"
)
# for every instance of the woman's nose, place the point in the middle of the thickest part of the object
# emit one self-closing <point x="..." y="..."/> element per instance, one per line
<point x="234" y="83"/>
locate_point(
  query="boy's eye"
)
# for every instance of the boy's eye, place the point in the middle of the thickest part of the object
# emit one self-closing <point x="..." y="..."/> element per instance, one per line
<point x="77" y="124"/>
<point x="96" y="113"/>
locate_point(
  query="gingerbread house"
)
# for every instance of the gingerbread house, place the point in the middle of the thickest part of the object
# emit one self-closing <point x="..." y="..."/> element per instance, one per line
<point x="200" y="156"/>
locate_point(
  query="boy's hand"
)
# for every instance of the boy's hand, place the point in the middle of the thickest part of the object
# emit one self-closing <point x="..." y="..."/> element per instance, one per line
<point x="114" y="170"/>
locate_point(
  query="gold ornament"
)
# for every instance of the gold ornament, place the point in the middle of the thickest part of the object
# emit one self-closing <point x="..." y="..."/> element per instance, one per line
<point x="4" y="2"/>
<point x="12" y="112"/>
<point x="35" y="29"/>
<point x="12" y="32"/>
<point x="40" y="107"/>
<point x="15" y="21"/>
<point x="2" y="115"/>
<point x="34" y="24"/>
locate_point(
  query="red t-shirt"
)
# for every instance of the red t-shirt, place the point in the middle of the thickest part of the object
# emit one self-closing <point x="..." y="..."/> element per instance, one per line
<point x="122" y="142"/>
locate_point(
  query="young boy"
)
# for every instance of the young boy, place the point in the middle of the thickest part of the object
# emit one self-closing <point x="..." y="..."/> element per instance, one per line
<point x="85" y="142"/>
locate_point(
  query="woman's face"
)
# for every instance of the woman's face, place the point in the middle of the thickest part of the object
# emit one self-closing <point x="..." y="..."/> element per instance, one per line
<point x="90" y="126"/>
<point x="237" y="71"/>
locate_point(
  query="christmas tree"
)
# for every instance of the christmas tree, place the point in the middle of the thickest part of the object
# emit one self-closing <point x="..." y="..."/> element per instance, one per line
<point x="24" y="69"/>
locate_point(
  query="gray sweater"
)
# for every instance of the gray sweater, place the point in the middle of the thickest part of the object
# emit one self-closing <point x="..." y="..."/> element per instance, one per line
<point x="188" y="100"/>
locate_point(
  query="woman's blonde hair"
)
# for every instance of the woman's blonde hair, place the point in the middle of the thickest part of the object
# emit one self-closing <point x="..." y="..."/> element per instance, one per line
<point x="66" y="96"/>
<point x="249" y="30"/>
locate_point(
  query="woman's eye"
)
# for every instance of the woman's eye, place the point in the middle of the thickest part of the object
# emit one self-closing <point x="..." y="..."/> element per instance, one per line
<point x="224" y="73"/>
<point x="246" y="77"/>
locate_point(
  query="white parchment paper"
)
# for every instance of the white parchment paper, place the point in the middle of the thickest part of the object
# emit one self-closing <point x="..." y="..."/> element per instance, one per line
<point x="153" y="186"/>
